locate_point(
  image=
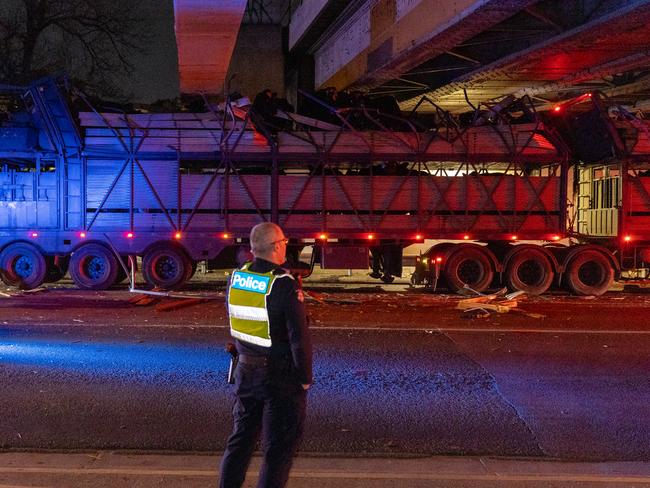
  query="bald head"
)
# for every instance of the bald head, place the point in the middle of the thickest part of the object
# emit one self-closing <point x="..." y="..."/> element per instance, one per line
<point x="267" y="242"/>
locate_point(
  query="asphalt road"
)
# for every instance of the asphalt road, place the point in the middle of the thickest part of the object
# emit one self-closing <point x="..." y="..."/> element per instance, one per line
<point x="582" y="395"/>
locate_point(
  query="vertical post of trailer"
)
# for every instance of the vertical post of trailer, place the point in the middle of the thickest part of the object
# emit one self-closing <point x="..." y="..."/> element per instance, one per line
<point x="275" y="184"/>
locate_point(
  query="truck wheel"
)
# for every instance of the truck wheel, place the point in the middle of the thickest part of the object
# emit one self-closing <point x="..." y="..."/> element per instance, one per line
<point x="590" y="273"/>
<point x="468" y="266"/>
<point x="93" y="267"/>
<point x="22" y="265"/>
<point x="166" y="266"/>
<point x="530" y="271"/>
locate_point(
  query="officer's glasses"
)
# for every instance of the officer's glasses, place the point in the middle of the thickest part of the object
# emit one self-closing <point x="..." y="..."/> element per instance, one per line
<point x="284" y="239"/>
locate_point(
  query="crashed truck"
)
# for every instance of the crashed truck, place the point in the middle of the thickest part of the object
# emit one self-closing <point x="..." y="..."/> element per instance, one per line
<point x="84" y="191"/>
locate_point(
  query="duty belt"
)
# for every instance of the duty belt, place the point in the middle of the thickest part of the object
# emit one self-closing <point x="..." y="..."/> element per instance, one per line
<point x="259" y="361"/>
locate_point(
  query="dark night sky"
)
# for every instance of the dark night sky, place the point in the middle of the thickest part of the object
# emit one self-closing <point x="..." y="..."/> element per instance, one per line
<point x="156" y="73"/>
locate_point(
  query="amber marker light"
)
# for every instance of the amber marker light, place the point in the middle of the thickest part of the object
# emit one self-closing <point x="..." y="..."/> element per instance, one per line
<point x="177" y="235"/>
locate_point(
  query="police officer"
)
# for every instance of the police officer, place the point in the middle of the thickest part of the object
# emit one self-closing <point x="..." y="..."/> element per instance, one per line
<point x="274" y="372"/>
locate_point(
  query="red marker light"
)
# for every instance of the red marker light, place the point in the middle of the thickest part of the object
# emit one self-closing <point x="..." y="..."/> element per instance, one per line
<point x="322" y="237"/>
<point x="129" y="235"/>
<point x="225" y="235"/>
<point x="466" y="237"/>
<point x="418" y="237"/>
<point x="627" y="238"/>
<point x="371" y="236"/>
<point x="438" y="259"/>
<point x="82" y="235"/>
<point x="557" y="108"/>
<point x="178" y="235"/>
<point x="34" y="234"/>
<point x="514" y="238"/>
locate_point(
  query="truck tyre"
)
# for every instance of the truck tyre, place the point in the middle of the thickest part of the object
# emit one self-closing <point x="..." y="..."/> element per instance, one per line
<point x="590" y="273"/>
<point x="93" y="267"/>
<point x="166" y="266"/>
<point x="468" y="266"/>
<point x="192" y="270"/>
<point x="22" y="265"/>
<point x="529" y="270"/>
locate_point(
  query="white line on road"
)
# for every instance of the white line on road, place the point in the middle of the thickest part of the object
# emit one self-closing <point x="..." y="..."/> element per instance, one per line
<point x="332" y="474"/>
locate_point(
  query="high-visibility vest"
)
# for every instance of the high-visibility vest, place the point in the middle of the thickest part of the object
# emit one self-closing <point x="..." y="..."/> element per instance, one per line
<point x="247" y="305"/>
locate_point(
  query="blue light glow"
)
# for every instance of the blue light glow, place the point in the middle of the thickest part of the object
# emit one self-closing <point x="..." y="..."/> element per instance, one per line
<point x="145" y="361"/>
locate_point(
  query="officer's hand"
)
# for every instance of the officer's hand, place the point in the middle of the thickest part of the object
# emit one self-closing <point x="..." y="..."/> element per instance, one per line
<point x="305" y="387"/>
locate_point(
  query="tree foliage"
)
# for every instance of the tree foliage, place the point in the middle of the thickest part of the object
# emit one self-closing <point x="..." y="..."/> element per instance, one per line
<point x="92" y="40"/>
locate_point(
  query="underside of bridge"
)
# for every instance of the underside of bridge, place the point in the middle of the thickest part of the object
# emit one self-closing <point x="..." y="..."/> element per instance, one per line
<point x="463" y="52"/>
<point x="457" y="53"/>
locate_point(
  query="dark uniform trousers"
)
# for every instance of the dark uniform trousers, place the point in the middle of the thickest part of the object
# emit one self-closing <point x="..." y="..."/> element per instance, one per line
<point x="271" y="400"/>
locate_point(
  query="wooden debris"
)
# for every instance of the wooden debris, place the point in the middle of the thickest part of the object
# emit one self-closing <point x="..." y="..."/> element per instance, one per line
<point x="35" y="290"/>
<point x="169" y="306"/>
<point x="500" y="302"/>
<point x="312" y="295"/>
<point x="487" y="306"/>
<point x="342" y="301"/>
<point x="144" y="299"/>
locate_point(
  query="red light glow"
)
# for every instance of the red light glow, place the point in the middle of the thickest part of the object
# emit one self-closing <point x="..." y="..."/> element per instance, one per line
<point x="466" y="237"/>
<point x="129" y="235"/>
<point x="371" y="237"/>
<point x="418" y="236"/>
<point x="556" y="238"/>
<point x="514" y="238"/>
<point x="225" y="235"/>
<point x="177" y="235"/>
<point x="557" y="108"/>
<point x="438" y="259"/>
<point x="82" y="235"/>
<point x="627" y="238"/>
<point x="34" y="234"/>
<point x="322" y="237"/>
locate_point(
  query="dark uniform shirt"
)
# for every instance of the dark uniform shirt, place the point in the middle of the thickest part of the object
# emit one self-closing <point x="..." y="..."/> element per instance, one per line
<point x="290" y="336"/>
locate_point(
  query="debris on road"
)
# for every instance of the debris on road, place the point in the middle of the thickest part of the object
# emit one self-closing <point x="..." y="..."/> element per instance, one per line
<point x="168" y="306"/>
<point x="481" y="305"/>
<point x="11" y="293"/>
<point x="475" y="313"/>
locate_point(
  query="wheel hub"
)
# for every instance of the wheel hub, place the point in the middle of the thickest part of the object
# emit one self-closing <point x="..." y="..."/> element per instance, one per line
<point x="23" y="266"/>
<point x="95" y="267"/>
<point x="166" y="268"/>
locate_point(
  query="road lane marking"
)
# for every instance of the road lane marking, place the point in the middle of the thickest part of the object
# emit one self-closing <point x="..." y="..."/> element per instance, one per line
<point x="332" y="474"/>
